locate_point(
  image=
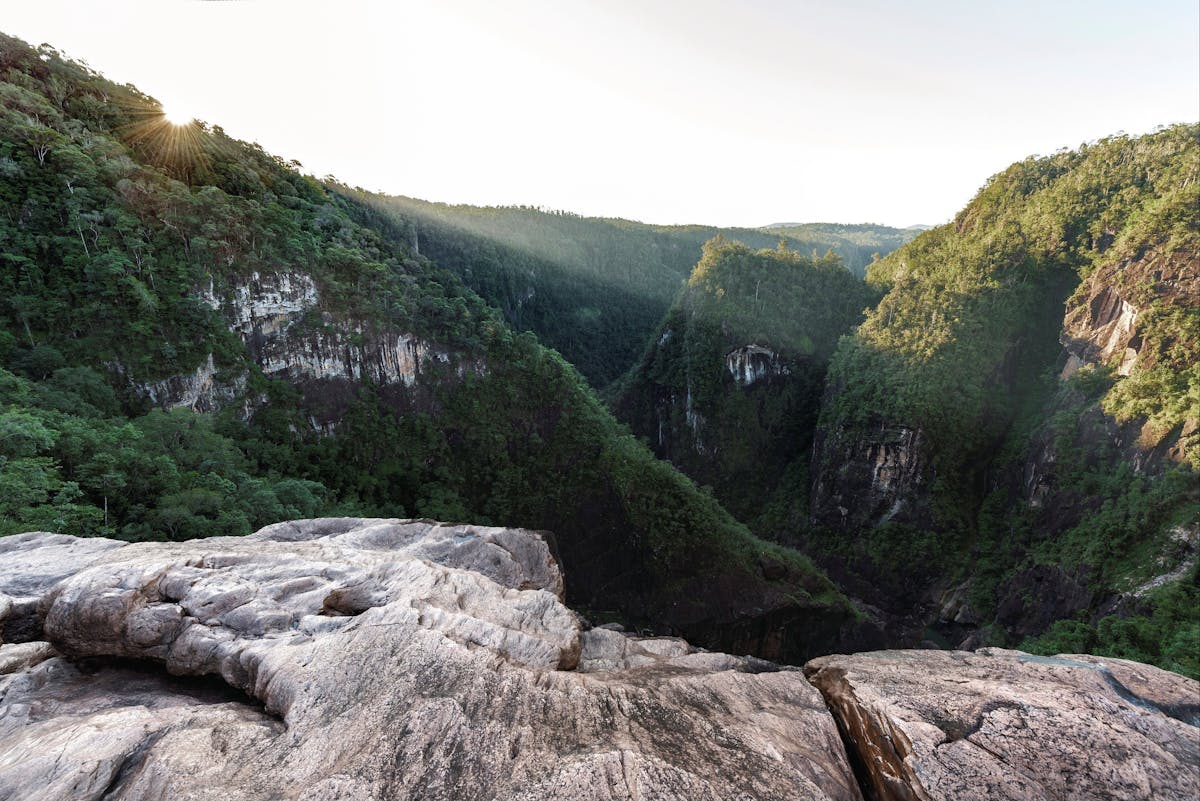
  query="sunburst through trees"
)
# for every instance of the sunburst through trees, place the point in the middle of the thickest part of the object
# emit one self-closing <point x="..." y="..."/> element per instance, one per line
<point x="169" y="137"/>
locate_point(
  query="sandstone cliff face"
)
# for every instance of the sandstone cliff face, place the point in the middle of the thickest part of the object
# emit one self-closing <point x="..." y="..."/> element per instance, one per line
<point x="1103" y="319"/>
<point x="750" y="363"/>
<point x="387" y="659"/>
<point x="280" y="319"/>
<point x="1103" y="328"/>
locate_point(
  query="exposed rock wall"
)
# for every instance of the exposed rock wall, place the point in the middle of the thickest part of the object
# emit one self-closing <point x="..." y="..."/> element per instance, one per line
<point x="280" y="319"/>
<point x="1102" y="329"/>
<point x="863" y="479"/>
<point x="750" y="363"/>
<point x="199" y="391"/>
<point x="1103" y="319"/>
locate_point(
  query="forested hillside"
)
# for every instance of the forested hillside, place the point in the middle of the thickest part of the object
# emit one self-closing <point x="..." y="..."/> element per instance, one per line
<point x="1043" y="464"/>
<point x="1005" y="450"/>
<point x="993" y="439"/>
<point x="197" y="339"/>
<point x="730" y="386"/>
<point x="594" y="289"/>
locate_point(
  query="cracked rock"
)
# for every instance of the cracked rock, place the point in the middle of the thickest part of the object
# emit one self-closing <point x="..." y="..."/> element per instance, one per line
<point x="373" y="659"/>
<point x="1000" y="724"/>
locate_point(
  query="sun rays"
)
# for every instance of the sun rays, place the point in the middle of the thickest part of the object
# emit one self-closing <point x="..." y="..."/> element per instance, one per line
<point x="169" y="136"/>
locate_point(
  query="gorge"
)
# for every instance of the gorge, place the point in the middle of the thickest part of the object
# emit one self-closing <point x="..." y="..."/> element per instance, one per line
<point x="800" y="511"/>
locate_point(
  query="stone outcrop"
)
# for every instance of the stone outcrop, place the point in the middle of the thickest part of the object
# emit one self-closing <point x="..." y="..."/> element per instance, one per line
<point x="1102" y="320"/>
<point x="751" y="363"/>
<point x="1002" y="725"/>
<point x="200" y="390"/>
<point x="373" y="659"/>
<point x="289" y="335"/>
<point x="387" y="659"/>
<point x="864" y="479"/>
<point x="1102" y="329"/>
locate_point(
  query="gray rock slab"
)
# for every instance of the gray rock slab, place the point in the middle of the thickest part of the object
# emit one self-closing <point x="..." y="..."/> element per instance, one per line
<point x="1000" y="724"/>
<point x="380" y="659"/>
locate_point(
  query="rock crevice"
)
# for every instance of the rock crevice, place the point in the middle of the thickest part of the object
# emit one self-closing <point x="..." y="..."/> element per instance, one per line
<point x="1002" y="724"/>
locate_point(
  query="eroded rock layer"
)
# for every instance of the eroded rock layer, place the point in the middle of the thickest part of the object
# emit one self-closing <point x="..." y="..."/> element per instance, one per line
<point x="356" y="659"/>
<point x="369" y="659"/>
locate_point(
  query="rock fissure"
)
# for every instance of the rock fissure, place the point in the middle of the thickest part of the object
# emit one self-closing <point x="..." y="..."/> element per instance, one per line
<point x="877" y="751"/>
<point x="128" y="765"/>
<point x="1001" y="724"/>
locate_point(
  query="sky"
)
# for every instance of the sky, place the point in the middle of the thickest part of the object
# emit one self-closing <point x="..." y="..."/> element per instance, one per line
<point x="746" y="112"/>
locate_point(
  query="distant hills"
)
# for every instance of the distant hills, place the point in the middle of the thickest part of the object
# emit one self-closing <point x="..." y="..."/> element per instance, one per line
<point x="841" y="227"/>
<point x="592" y="288"/>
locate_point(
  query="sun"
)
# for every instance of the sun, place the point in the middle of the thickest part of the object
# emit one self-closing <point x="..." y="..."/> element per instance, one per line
<point x="167" y="134"/>
<point x="178" y="115"/>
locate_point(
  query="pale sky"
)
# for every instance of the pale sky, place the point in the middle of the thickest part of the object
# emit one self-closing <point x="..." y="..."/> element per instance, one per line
<point x="689" y="111"/>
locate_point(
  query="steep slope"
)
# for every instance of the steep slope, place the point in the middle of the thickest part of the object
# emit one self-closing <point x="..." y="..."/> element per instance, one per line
<point x="973" y="433"/>
<point x="729" y="389"/>
<point x="194" y="335"/>
<point x="594" y="289"/>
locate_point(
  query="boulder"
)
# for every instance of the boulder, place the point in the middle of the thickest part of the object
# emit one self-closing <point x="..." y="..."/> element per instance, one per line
<point x="1000" y="724"/>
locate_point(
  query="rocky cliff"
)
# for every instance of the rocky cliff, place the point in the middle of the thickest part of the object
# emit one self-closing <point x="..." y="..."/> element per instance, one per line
<point x="373" y="659"/>
<point x="290" y="334"/>
<point x="1112" y="329"/>
<point x="388" y="659"/>
<point x="729" y="389"/>
<point x="1115" y="335"/>
<point x="1016" y="422"/>
<point x="871" y="478"/>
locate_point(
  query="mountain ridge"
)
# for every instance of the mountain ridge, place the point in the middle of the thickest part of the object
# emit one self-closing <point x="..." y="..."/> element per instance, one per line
<point x="197" y="339"/>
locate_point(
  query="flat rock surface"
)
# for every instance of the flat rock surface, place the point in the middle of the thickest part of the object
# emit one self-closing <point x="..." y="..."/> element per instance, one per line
<point x="372" y="659"/>
<point x="996" y="724"/>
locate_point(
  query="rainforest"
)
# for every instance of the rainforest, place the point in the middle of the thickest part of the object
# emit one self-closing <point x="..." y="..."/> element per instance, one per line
<point x="781" y="442"/>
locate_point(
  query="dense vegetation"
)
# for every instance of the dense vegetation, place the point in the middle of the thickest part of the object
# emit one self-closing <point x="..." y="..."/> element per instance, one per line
<point x="594" y="289"/>
<point x="775" y="312"/>
<point x="126" y="244"/>
<point x="963" y="298"/>
<point x="114" y="223"/>
<point x="963" y="346"/>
